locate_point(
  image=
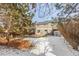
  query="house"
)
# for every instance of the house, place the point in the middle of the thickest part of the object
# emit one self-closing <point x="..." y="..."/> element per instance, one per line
<point x="45" y="28"/>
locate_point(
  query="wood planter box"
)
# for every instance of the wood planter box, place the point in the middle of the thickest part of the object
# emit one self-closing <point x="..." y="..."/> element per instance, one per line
<point x="18" y="43"/>
<point x="3" y="42"/>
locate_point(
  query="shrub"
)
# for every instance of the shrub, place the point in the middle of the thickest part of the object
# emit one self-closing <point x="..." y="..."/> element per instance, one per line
<point x="70" y="31"/>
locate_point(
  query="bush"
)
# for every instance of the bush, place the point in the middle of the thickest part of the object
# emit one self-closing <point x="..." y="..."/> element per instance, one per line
<point x="70" y="31"/>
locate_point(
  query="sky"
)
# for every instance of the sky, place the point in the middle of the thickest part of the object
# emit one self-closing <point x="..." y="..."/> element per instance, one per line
<point x="44" y="12"/>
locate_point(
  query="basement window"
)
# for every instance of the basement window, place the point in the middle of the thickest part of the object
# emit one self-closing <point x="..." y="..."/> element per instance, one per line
<point x="38" y="31"/>
<point x="45" y="30"/>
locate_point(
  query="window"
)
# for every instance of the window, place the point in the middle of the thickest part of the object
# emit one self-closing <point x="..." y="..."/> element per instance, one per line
<point x="38" y="31"/>
<point x="46" y="30"/>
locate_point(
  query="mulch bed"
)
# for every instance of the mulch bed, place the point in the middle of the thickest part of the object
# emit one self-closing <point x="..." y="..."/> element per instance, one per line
<point x="18" y="43"/>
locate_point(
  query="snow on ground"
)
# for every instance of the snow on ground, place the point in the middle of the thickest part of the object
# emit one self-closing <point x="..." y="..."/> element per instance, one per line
<point x="58" y="45"/>
<point x="44" y="46"/>
<point x="61" y="47"/>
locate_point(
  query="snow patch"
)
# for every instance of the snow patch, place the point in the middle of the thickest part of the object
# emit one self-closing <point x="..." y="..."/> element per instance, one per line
<point x="50" y="54"/>
<point x="42" y="47"/>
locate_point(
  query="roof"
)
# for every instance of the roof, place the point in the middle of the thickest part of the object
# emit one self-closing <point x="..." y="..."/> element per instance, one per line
<point x="43" y="23"/>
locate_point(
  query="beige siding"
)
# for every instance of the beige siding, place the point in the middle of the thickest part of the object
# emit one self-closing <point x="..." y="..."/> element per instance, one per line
<point x="44" y="29"/>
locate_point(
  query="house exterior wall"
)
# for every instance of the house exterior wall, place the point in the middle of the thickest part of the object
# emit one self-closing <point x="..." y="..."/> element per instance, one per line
<point x="48" y="28"/>
<point x="43" y="29"/>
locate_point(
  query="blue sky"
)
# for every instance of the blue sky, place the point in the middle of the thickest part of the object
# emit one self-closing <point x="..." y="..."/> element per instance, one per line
<point x="44" y="12"/>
